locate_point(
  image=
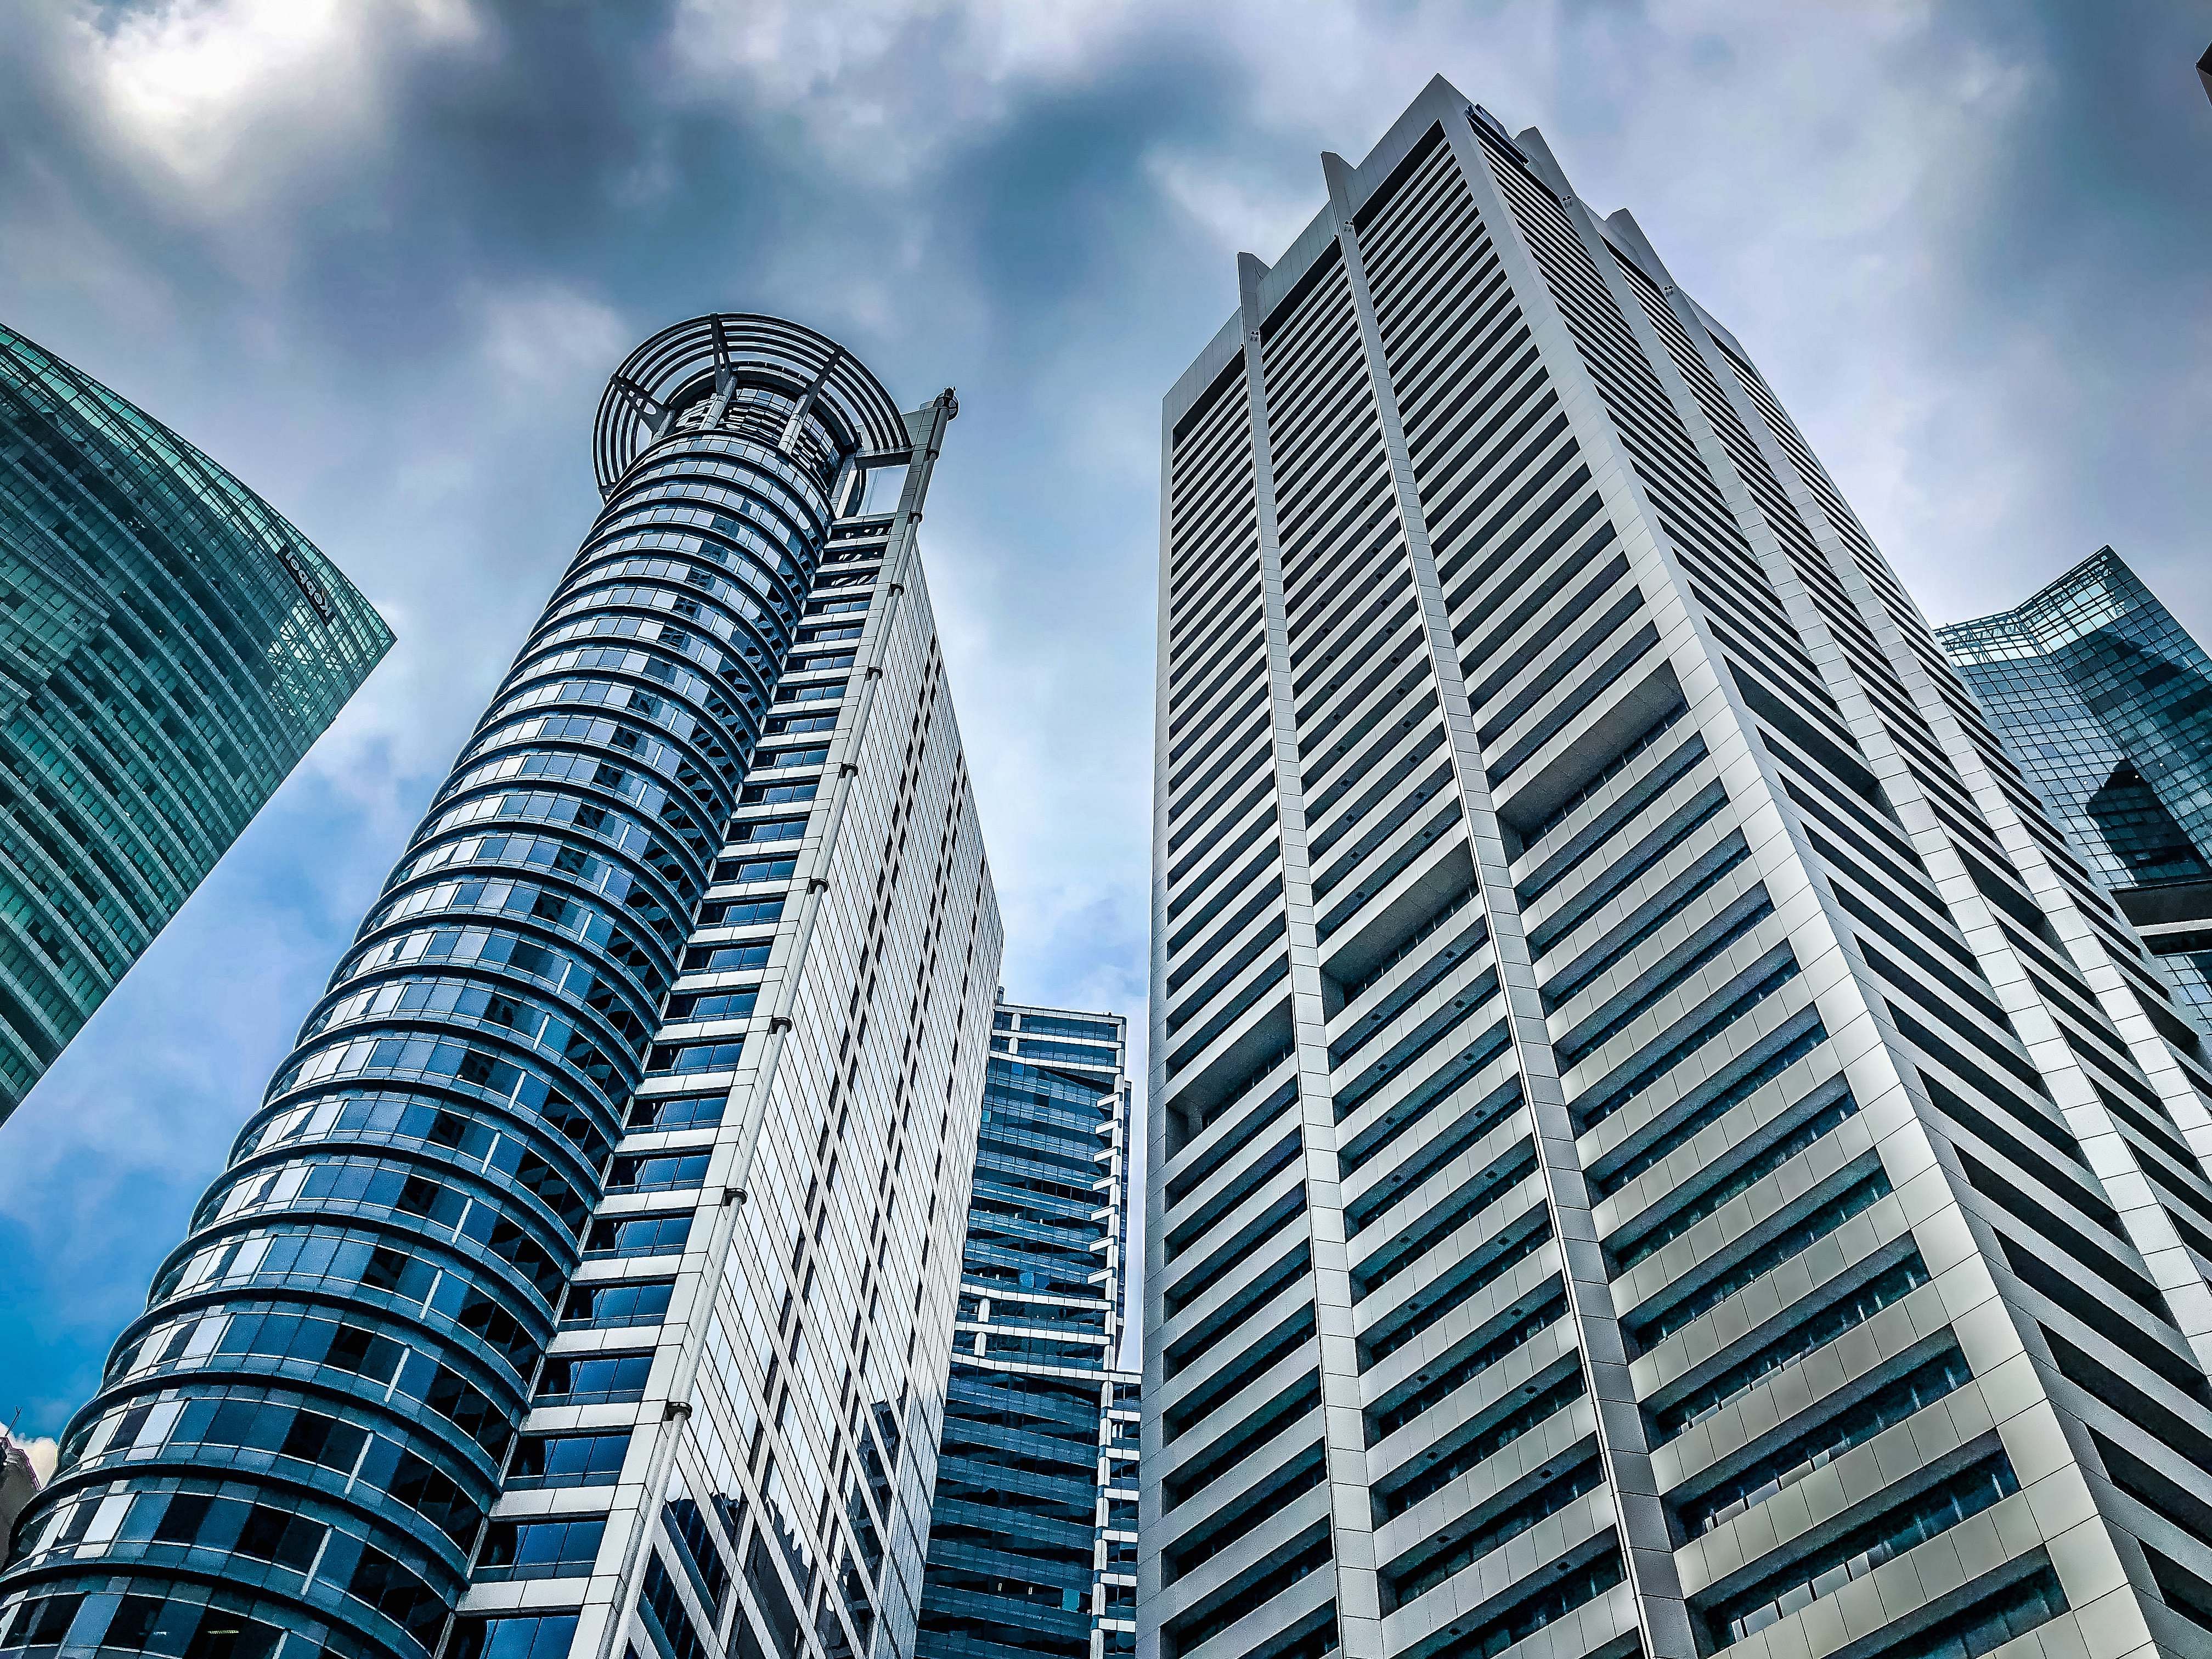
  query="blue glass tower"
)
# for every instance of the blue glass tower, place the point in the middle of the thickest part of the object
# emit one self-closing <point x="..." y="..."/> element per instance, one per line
<point x="170" y="647"/>
<point x="1033" y="1532"/>
<point x="2105" y="703"/>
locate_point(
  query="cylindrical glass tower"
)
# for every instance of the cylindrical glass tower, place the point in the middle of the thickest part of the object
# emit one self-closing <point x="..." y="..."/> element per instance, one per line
<point x="296" y="1443"/>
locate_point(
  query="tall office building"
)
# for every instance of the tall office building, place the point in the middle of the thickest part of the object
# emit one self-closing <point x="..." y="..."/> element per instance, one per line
<point x="2105" y="703"/>
<point x="589" y="1269"/>
<point x="170" y="647"/>
<point x="1032" y="1547"/>
<point x="1658" y="1146"/>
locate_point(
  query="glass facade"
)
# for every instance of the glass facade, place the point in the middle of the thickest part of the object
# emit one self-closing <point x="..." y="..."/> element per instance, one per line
<point x="2105" y="701"/>
<point x="1658" y="1147"/>
<point x="698" y="924"/>
<point x="170" y="647"/>
<point x="1033" y="1530"/>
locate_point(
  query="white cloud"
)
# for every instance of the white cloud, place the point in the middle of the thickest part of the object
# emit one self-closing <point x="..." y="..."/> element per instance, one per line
<point x="880" y="86"/>
<point x="547" y="338"/>
<point x="200" y="88"/>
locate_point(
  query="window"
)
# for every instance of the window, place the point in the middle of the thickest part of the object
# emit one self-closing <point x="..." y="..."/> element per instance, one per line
<point x="594" y="1380"/>
<point x="1858" y="1424"/>
<point x="661" y="1601"/>
<point x="677" y="1111"/>
<point x="1054" y="1025"/>
<point x="1036" y="1048"/>
<point x="671" y="1058"/>
<point x="740" y="913"/>
<point x="567" y="1460"/>
<point x="642" y="1235"/>
<point x="606" y="1307"/>
<point x="762" y="830"/>
<point x="1860" y="1550"/>
<point x="290" y="1540"/>
<point x="314" y="1438"/>
<point x="540" y="1549"/>
<point x="148" y="1624"/>
<point x="755" y="794"/>
<point x="226" y="1635"/>
<point x="754" y="869"/>
<point x="41" y="1624"/>
<point x="1989" y="1623"/>
<point x="721" y="1005"/>
<point x="181" y="1523"/>
<point x="791" y="725"/>
<point x="399" y="1596"/>
<point x="727" y="958"/>
<point x="662" y="1173"/>
<point x="702" y="1557"/>
<point x="548" y="1637"/>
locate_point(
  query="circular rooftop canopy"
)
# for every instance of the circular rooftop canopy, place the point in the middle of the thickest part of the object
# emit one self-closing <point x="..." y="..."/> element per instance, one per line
<point x="680" y="365"/>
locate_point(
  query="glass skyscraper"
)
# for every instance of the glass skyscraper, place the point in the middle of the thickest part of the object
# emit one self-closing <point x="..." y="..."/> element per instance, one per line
<point x="1033" y="1540"/>
<point x="1658" y="1147"/>
<point x="584" y="1283"/>
<point x="170" y="647"/>
<point x="2106" y="702"/>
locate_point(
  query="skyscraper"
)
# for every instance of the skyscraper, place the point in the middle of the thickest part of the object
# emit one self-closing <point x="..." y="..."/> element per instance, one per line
<point x="1033" y="1539"/>
<point x="589" y="1268"/>
<point x="1657" y="1145"/>
<point x="170" y="647"/>
<point x="2105" y="703"/>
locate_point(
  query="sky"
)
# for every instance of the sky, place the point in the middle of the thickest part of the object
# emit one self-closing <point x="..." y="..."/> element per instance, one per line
<point x="377" y="258"/>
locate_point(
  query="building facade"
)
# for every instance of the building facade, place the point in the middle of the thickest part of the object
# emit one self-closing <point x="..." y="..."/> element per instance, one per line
<point x="19" y="1484"/>
<point x="170" y="647"/>
<point x="1032" y="1548"/>
<point x="1658" y="1147"/>
<point x="584" y="1285"/>
<point x="2104" y="702"/>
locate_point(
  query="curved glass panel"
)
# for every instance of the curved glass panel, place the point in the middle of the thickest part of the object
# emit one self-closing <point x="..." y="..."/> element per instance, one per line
<point x="170" y="647"/>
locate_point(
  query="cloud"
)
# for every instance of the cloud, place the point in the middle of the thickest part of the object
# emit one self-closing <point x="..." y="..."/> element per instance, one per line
<point x="43" y="1453"/>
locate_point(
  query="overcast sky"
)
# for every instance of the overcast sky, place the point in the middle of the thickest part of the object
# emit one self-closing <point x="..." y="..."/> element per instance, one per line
<point x="377" y="258"/>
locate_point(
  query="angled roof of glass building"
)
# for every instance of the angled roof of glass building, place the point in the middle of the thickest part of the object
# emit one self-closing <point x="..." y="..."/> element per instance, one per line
<point x="2105" y="701"/>
<point x="170" y="646"/>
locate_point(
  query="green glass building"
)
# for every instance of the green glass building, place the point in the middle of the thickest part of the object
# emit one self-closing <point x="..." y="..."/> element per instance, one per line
<point x="169" y="647"/>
